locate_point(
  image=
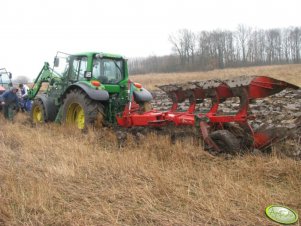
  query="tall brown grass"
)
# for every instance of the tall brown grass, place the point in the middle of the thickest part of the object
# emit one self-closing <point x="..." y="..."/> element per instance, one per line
<point x="53" y="175"/>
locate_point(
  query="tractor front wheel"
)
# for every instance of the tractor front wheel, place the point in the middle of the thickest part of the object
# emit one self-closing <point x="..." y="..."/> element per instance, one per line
<point x="80" y="111"/>
<point x="38" y="114"/>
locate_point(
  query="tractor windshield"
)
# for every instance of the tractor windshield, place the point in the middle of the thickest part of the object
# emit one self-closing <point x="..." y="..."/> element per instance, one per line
<point x="108" y="70"/>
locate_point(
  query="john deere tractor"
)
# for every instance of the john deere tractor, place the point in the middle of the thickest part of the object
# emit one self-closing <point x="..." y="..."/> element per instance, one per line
<point x="83" y="89"/>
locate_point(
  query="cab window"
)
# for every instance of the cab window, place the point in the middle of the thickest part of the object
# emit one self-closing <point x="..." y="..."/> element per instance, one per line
<point x="78" y="68"/>
<point x="107" y="70"/>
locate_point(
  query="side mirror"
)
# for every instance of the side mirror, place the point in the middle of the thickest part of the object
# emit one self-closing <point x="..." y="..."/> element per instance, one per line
<point x="9" y="75"/>
<point x="56" y="62"/>
<point x="88" y="74"/>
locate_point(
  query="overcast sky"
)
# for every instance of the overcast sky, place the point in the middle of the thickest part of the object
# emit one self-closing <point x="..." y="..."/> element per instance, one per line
<point x="32" y="31"/>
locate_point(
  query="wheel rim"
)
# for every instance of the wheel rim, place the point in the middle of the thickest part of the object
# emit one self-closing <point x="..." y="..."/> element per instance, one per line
<point x="76" y="116"/>
<point x="37" y="114"/>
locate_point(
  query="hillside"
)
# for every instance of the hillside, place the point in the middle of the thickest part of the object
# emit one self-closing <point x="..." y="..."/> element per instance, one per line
<point x="53" y="175"/>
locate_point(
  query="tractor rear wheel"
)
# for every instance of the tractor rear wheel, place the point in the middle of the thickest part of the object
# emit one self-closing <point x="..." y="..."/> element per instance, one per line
<point x="38" y="114"/>
<point x="80" y="111"/>
<point x="226" y="141"/>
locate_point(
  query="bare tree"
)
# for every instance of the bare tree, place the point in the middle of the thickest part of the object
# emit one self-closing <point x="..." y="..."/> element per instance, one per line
<point x="243" y="34"/>
<point x="295" y="36"/>
<point x="273" y="38"/>
<point x="184" y="43"/>
<point x="286" y="43"/>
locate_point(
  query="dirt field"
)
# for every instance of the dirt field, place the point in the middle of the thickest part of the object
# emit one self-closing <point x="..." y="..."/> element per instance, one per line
<point x="52" y="175"/>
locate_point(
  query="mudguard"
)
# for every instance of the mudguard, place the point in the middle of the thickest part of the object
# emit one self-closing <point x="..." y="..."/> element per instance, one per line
<point x="50" y="108"/>
<point x="142" y="95"/>
<point x="94" y="94"/>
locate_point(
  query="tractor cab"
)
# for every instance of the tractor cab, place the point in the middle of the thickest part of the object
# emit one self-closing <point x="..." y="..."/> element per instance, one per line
<point x="108" y="69"/>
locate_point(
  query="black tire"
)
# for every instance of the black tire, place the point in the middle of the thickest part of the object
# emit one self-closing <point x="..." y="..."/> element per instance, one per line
<point x="226" y="141"/>
<point x="37" y="112"/>
<point x="81" y="111"/>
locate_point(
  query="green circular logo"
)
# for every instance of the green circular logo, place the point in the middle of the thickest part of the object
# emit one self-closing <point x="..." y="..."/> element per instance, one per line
<point x="281" y="214"/>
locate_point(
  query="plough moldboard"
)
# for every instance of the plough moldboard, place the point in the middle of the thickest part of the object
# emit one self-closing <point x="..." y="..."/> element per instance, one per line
<point x="222" y="132"/>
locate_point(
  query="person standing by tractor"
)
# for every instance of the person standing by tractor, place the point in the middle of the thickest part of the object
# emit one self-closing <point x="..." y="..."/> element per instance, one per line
<point x="9" y="101"/>
<point x="24" y="100"/>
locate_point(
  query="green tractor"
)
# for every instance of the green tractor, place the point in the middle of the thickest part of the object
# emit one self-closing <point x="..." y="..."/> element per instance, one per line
<point x="84" y="89"/>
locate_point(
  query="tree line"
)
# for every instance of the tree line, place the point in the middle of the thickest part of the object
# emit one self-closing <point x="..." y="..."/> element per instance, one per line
<point x="217" y="49"/>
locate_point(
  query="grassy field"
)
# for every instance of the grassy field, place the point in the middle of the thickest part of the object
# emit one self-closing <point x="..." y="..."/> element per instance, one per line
<point x="53" y="175"/>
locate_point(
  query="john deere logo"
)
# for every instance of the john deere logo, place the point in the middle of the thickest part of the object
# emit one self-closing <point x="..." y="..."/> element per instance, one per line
<point x="281" y="214"/>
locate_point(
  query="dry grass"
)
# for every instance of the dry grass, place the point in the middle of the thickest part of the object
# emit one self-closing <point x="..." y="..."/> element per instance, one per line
<point x="289" y="73"/>
<point x="52" y="175"/>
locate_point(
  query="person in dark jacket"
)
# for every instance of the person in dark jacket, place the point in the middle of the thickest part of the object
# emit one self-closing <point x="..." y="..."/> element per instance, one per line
<point x="9" y="101"/>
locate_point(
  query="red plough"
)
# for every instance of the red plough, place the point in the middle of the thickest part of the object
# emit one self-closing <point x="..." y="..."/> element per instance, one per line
<point x="228" y="132"/>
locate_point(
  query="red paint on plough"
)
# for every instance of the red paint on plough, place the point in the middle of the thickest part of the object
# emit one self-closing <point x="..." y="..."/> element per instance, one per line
<point x="215" y="128"/>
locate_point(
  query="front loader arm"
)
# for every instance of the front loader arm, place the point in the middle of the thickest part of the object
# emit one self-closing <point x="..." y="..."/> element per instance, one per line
<point x="45" y="75"/>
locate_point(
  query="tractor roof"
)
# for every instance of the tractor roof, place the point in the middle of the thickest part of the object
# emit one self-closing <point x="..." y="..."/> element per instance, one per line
<point x="103" y="54"/>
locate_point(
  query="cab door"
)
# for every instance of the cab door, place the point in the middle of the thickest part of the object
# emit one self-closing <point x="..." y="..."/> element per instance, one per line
<point x="77" y="69"/>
